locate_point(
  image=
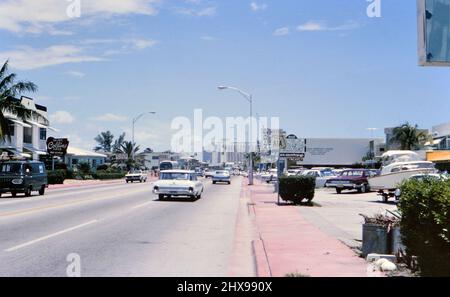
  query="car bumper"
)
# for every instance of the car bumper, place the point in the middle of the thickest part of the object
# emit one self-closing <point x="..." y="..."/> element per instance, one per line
<point x="343" y="186"/>
<point x="174" y="192"/>
<point x="221" y="180"/>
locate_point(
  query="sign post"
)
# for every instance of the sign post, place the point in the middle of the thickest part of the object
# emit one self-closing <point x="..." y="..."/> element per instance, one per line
<point x="291" y="148"/>
<point x="57" y="147"/>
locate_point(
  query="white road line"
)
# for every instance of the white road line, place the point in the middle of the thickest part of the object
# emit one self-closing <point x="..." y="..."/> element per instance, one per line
<point x="15" y="248"/>
<point x="142" y="205"/>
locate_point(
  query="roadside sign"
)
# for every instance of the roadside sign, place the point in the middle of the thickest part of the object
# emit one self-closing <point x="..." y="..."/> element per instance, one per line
<point x="293" y="156"/>
<point x="434" y="32"/>
<point x="57" y="147"/>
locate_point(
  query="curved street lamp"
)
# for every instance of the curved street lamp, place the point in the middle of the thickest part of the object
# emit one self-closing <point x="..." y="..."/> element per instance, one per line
<point x="249" y="98"/>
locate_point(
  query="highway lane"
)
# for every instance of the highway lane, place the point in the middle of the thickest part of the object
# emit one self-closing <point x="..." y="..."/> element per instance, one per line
<point x="119" y="230"/>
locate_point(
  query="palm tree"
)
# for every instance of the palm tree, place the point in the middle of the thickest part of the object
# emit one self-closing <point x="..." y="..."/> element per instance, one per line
<point x="9" y="89"/>
<point x="130" y="149"/>
<point x="409" y="137"/>
<point x="105" y="141"/>
<point x="117" y="146"/>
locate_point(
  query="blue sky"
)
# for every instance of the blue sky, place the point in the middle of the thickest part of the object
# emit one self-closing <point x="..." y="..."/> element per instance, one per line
<point x="322" y="66"/>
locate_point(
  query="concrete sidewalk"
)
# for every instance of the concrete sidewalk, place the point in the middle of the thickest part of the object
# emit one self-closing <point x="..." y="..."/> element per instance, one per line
<point x="284" y="242"/>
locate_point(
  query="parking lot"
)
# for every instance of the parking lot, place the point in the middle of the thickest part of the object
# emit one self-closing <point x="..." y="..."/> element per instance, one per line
<point x="338" y="215"/>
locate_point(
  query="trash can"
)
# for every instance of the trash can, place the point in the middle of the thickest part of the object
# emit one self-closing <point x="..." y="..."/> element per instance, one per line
<point x="375" y="239"/>
<point x="396" y="241"/>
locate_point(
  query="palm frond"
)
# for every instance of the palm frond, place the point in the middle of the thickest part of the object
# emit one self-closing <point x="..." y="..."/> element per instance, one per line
<point x="4" y="69"/>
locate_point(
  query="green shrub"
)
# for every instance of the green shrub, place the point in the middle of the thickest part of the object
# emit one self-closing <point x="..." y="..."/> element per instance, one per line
<point x="56" y="177"/>
<point x="297" y="188"/>
<point x="105" y="175"/>
<point x="425" y="224"/>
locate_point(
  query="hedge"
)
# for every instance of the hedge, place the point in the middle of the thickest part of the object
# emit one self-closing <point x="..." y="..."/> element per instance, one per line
<point x="297" y="188"/>
<point x="425" y="224"/>
<point x="56" y="177"/>
<point x="108" y="175"/>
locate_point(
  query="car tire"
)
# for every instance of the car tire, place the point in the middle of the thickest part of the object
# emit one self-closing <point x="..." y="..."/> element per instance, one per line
<point x="42" y="191"/>
<point x="161" y="197"/>
<point x="13" y="194"/>
<point x="229" y="183"/>
<point x="338" y="191"/>
<point x="28" y="192"/>
<point x="214" y="182"/>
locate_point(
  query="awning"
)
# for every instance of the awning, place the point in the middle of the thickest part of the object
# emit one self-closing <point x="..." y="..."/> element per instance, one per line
<point x="438" y="156"/>
<point x="434" y="142"/>
<point x="37" y="124"/>
<point x="35" y="151"/>
<point x="19" y="122"/>
<point x="53" y="129"/>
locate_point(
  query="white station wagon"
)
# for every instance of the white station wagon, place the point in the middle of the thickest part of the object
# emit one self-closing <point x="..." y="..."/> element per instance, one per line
<point x="178" y="183"/>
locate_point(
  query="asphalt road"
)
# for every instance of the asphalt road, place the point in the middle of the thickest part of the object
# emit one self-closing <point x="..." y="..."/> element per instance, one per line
<point x="118" y="230"/>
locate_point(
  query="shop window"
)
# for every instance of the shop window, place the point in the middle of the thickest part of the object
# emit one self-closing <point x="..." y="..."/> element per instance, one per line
<point x="27" y="135"/>
<point x="42" y="133"/>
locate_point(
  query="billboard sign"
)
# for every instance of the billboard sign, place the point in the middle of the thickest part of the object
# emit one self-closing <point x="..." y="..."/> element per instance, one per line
<point x="434" y="32"/>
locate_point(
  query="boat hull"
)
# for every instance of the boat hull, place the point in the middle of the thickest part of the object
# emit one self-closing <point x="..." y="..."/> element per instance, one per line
<point x="391" y="181"/>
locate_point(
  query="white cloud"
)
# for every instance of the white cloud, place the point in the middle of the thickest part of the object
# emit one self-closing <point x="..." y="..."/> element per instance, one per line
<point x="282" y="31"/>
<point x="201" y="12"/>
<point x="258" y="7"/>
<point x="110" y="117"/>
<point x="62" y="117"/>
<point x="37" y="16"/>
<point x="142" y="43"/>
<point x="76" y="73"/>
<point x="322" y="26"/>
<point x="28" y="58"/>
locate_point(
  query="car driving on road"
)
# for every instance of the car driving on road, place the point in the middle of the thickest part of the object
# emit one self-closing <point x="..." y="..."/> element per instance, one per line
<point x="22" y="177"/>
<point x="221" y="176"/>
<point x="136" y="176"/>
<point x="178" y="183"/>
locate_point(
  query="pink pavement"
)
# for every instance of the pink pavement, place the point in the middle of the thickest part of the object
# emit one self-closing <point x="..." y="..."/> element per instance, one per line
<point x="284" y="242"/>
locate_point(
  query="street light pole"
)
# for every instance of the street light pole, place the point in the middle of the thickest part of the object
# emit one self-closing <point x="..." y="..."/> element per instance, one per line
<point x="249" y="98"/>
<point x="132" y="130"/>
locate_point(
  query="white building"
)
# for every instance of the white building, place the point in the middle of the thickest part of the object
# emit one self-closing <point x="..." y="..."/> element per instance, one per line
<point x="76" y="156"/>
<point x="340" y="151"/>
<point x="441" y="137"/>
<point x="28" y="138"/>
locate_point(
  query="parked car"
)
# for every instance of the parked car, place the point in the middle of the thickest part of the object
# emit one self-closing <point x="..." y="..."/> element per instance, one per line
<point x="23" y="177"/>
<point x="270" y="176"/>
<point x="354" y="179"/>
<point x="136" y="176"/>
<point x="178" y="183"/>
<point x="221" y="176"/>
<point x="321" y="176"/>
<point x="294" y="172"/>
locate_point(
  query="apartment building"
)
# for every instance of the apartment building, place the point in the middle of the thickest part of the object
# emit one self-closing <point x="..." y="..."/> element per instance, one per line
<point x="28" y="138"/>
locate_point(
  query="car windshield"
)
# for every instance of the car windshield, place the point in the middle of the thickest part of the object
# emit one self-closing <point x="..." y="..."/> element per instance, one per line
<point x="175" y="176"/>
<point x="11" y="168"/>
<point x="221" y="172"/>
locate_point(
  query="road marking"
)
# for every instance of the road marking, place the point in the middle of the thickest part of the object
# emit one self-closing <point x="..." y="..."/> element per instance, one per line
<point x="142" y="205"/>
<point x="66" y="204"/>
<point x="17" y="247"/>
